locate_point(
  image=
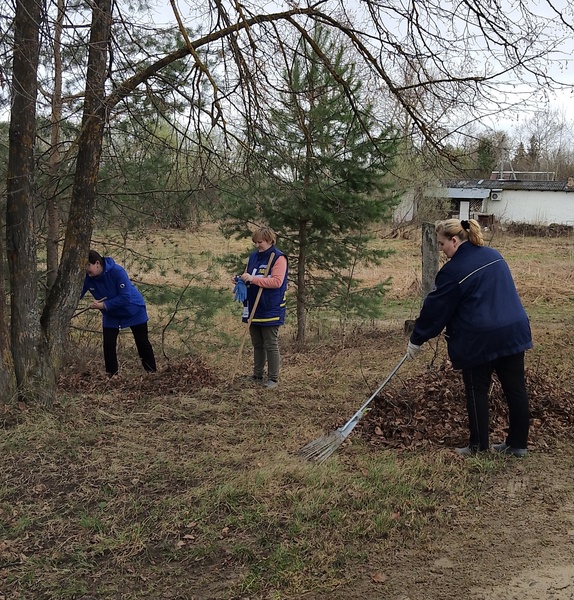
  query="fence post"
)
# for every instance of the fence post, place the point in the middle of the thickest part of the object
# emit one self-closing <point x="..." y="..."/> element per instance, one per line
<point x="429" y="251"/>
<point x="430" y="258"/>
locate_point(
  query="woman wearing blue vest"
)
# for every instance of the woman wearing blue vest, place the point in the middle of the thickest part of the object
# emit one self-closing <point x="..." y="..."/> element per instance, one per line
<point x="270" y="310"/>
<point x="487" y="331"/>
<point x="121" y="305"/>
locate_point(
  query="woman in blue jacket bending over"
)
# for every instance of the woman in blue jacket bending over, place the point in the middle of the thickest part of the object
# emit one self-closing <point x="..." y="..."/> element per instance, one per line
<point x="121" y="305"/>
<point x="487" y="331"/>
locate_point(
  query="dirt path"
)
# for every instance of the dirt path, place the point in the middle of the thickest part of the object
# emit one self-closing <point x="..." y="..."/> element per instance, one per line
<point x="517" y="544"/>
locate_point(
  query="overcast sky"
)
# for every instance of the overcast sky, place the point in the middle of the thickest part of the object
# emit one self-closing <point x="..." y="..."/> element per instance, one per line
<point x="561" y="68"/>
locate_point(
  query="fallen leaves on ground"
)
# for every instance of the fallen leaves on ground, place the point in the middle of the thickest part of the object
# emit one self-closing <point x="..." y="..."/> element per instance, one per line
<point x="179" y="377"/>
<point x="428" y="410"/>
<point x="431" y="409"/>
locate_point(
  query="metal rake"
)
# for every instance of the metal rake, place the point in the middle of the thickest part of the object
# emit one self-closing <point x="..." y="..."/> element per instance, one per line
<point x="319" y="450"/>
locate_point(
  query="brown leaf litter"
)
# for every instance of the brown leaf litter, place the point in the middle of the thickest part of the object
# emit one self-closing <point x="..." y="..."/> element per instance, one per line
<point x="431" y="410"/>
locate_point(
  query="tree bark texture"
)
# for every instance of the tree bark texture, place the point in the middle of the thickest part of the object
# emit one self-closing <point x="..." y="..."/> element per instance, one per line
<point x="33" y="374"/>
<point x="7" y="375"/>
<point x="429" y="258"/>
<point x="53" y="213"/>
<point x="64" y="294"/>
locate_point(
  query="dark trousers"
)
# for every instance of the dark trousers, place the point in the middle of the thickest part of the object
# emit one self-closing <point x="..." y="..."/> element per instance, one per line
<point x="145" y="350"/>
<point x="477" y="381"/>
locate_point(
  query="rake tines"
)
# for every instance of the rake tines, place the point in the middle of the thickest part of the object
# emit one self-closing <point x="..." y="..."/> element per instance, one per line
<point x="320" y="449"/>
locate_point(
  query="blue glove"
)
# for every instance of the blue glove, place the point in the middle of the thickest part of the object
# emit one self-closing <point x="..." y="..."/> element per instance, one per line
<point x="240" y="290"/>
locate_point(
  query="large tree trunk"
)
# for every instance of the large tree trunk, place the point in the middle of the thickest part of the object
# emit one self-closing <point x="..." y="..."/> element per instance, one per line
<point x="38" y="346"/>
<point x="65" y="292"/>
<point x="33" y="373"/>
<point x="301" y="289"/>
<point x="430" y="257"/>
<point x="53" y="213"/>
<point x="7" y="375"/>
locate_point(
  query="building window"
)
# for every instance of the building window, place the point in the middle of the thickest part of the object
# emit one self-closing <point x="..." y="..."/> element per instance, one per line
<point x="476" y="205"/>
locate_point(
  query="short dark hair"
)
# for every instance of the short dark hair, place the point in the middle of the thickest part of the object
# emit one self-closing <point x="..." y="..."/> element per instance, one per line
<point x="94" y="257"/>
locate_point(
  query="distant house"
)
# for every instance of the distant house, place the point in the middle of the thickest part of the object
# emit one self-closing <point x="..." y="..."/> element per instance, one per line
<point x="500" y="201"/>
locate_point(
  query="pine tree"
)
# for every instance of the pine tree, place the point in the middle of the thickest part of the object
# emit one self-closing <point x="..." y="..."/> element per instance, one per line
<point x="317" y="177"/>
<point x="533" y="153"/>
<point x="485" y="157"/>
<point x="520" y="158"/>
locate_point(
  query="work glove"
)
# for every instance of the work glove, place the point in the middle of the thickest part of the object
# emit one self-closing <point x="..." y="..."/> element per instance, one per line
<point x="240" y="290"/>
<point x="412" y="350"/>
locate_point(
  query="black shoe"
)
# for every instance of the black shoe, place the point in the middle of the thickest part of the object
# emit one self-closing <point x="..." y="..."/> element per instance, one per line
<point x="468" y="451"/>
<point x="504" y="448"/>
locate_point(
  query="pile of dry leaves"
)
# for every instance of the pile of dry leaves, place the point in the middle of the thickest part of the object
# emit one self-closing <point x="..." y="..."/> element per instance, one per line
<point x="432" y="410"/>
<point x="184" y="376"/>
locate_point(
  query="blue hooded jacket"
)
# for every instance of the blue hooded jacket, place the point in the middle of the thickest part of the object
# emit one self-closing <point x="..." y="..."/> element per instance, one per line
<point x="124" y="303"/>
<point x="476" y="300"/>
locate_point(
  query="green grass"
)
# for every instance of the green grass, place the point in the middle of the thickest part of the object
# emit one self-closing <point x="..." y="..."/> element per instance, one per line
<point x="281" y="523"/>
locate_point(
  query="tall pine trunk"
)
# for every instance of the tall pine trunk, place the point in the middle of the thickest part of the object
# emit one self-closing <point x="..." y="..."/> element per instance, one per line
<point x="7" y="375"/>
<point x="38" y="345"/>
<point x="33" y="374"/>
<point x="63" y="297"/>
<point x="53" y="213"/>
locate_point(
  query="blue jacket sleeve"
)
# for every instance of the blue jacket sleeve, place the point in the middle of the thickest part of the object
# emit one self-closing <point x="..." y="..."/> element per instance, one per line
<point x="437" y="310"/>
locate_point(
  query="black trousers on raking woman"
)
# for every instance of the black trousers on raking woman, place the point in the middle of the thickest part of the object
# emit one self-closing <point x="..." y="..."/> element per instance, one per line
<point x="141" y="338"/>
<point x="510" y="372"/>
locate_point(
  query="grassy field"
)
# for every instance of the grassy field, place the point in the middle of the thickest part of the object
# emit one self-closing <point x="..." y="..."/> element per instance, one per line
<point x="186" y="484"/>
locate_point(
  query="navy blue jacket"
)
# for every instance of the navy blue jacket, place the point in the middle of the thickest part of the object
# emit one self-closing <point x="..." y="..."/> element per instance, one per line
<point x="271" y="308"/>
<point x="476" y="300"/>
<point x="125" y="305"/>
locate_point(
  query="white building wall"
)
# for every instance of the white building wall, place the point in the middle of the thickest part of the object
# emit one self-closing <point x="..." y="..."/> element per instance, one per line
<point x="464" y="209"/>
<point x="534" y="207"/>
<point x="406" y="210"/>
<point x="518" y="206"/>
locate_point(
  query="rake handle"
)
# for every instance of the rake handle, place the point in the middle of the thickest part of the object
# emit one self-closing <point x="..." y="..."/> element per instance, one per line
<point x="251" y="315"/>
<point x="81" y="312"/>
<point x="355" y="418"/>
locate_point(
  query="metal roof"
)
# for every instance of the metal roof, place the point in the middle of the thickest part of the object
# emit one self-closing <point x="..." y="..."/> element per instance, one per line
<point x="459" y="192"/>
<point x="507" y="184"/>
